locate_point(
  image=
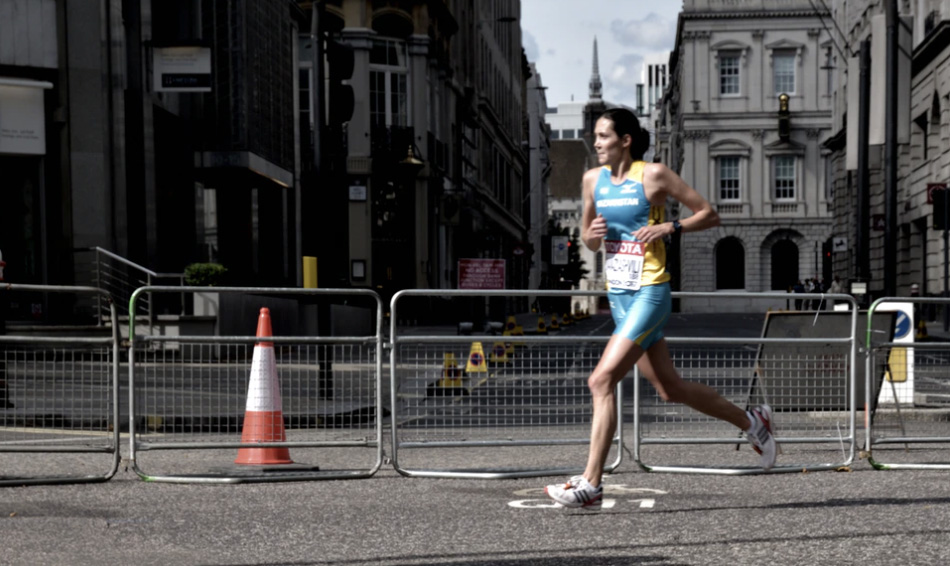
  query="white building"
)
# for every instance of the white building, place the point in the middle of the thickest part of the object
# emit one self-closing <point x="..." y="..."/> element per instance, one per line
<point x="654" y="78"/>
<point x="566" y="121"/>
<point x="720" y="130"/>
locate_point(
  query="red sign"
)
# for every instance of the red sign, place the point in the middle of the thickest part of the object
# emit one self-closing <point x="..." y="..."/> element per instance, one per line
<point x="931" y="187"/>
<point x="481" y="274"/>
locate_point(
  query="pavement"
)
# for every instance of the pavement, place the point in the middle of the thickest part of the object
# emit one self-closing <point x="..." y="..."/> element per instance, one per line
<point x="857" y="515"/>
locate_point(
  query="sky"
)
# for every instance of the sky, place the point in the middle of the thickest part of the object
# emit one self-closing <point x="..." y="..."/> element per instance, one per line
<point x="558" y="37"/>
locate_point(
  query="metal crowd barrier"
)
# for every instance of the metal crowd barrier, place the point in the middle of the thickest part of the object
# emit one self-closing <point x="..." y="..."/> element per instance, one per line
<point x="59" y="409"/>
<point x="521" y="409"/>
<point x="803" y="367"/>
<point x="188" y="387"/>
<point x="910" y="425"/>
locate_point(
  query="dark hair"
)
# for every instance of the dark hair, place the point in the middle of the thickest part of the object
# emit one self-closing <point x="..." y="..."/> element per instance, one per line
<point x="626" y="124"/>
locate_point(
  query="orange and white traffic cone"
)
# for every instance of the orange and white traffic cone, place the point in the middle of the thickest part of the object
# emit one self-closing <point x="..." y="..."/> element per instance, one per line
<point x="263" y="415"/>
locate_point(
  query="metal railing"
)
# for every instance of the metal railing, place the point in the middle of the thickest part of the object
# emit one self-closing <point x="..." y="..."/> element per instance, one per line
<point x="120" y="278"/>
<point x="60" y="402"/>
<point x="524" y="401"/>
<point x="804" y="369"/>
<point x="903" y="374"/>
<point x="189" y="392"/>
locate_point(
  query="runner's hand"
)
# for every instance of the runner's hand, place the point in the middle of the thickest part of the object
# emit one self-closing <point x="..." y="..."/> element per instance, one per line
<point x="648" y="234"/>
<point x="597" y="228"/>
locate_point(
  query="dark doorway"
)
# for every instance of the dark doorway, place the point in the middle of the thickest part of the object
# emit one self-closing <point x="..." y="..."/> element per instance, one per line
<point x="784" y="265"/>
<point x="730" y="264"/>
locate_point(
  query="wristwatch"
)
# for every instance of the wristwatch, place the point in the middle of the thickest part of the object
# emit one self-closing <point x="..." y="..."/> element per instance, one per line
<point x="677" y="227"/>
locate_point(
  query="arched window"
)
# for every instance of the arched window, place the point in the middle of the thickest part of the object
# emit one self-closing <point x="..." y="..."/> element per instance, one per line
<point x="784" y="265"/>
<point x="730" y="264"/>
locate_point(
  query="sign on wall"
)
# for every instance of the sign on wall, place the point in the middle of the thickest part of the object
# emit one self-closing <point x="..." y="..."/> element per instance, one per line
<point x="481" y="274"/>
<point x="559" y="252"/>
<point x="181" y="69"/>
<point x="22" y="117"/>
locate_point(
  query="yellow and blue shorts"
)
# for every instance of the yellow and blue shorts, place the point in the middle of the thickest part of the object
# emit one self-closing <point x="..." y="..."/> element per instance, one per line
<point x="641" y="315"/>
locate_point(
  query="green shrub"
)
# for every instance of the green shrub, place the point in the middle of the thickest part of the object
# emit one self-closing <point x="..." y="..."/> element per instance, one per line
<point x="204" y="274"/>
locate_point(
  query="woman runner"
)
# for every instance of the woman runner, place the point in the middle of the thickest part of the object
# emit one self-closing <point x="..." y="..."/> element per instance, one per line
<point x="624" y="205"/>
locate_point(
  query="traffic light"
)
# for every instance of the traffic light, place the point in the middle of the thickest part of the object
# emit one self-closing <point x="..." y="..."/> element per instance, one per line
<point x="450" y="210"/>
<point x="940" y="209"/>
<point x="341" y="62"/>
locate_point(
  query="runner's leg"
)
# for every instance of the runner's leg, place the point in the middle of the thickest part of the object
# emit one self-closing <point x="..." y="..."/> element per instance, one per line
<point x="618" y="359"/>
<point x="657" y="367"/>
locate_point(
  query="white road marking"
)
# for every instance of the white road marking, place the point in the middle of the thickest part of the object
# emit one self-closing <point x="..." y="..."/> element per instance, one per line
<point x="548" y="504"/>
<point x="616" y="490"/>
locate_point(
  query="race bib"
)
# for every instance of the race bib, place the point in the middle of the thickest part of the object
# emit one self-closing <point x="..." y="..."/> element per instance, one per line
<point x="624" y="265"/>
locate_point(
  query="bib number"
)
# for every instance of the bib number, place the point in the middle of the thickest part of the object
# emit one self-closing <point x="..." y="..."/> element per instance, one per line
<point x="624" y="265"/>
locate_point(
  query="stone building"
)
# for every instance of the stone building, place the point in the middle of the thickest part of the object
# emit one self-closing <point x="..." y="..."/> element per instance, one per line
<point x="923" y="146"/>
<point x="720" y="130"/>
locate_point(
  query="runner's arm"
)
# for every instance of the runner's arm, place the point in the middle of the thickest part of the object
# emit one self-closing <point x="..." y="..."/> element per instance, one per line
<point x="667" y="183"/>
<point x="594" y="226"/>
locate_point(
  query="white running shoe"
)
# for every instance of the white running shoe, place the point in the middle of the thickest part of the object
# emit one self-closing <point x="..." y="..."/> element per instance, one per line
<point x="760" y="435"/>
<point x="577" y="492"/>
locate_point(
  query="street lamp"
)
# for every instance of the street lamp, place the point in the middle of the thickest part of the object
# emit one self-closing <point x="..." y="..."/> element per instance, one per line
<point x="410" y="165"/>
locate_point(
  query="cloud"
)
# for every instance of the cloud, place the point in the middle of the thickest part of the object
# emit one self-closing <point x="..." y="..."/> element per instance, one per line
<point x="652" y="32"/>
<point x="530" y="44"/>
<point x="622" y="77"/>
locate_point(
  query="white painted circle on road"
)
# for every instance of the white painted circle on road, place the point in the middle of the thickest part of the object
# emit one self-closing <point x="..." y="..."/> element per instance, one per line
<point x="618" y="491"/>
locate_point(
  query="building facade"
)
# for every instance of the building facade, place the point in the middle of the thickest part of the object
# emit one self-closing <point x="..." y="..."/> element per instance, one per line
<point x="654" y="78"/>
<point x="721" y="130"/>
<point x="386" y="139"/>
<point x="446" y="80"/>
<point x="923" y="147"/>
<point x="539" y="168"/>
<point x="151" y="114"/>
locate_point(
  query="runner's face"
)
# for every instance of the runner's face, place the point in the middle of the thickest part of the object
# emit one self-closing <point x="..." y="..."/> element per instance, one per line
<point x="607" y="144"/>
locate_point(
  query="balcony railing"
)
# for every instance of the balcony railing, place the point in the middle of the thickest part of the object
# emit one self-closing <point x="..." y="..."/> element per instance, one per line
<point x="785" y="208"/>
<point x="730" y="209"/>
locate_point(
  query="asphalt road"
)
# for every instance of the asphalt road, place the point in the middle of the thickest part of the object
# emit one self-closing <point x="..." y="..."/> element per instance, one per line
<point x="857" y="516"/>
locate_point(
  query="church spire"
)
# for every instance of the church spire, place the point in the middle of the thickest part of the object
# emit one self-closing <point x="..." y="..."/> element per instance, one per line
<point x="595" y="85"/>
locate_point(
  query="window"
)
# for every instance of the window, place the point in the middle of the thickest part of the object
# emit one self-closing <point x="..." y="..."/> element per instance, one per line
<point x="388" y="93"/>
<point x="730" y="264"/>
<point x="567" y="134"/>
<point x="784" y="175"/>
<point x="729" y="179"/>
<point x="829" y="179"/>
<point x="829" y="67"/>
<point x="783" y="72"/>
<point x="921" y="123"/>
<point x="555" y="134"/>
<point x="305" y="79"/>
<point x="729" y="74"/>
